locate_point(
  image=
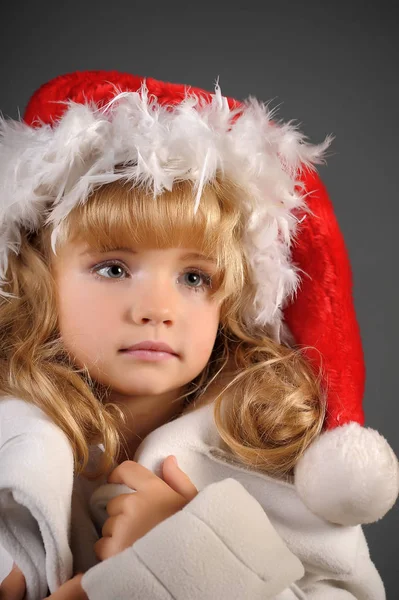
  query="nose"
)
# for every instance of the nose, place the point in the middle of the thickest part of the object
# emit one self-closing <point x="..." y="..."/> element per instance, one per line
<point x="152" y="316"/>
<point x="153" y="303"/>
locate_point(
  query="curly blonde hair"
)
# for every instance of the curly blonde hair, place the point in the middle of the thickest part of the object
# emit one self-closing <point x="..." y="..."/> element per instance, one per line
<point x="269" y="404"/>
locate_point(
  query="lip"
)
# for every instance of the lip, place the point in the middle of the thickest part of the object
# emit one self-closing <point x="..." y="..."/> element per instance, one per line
<point x="151" y="345"/>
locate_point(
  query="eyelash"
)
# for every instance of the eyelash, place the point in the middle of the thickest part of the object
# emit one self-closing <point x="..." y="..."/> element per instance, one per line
<point x="205" y="276"/>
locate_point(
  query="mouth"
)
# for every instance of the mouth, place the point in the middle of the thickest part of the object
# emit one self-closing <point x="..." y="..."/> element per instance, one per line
<point x="148" y="355"/>
<point x="150" y="346"/>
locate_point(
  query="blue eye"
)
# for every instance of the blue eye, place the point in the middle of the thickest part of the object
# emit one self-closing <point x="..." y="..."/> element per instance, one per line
<point x="116" y="267"/>
<point x="200" y="275"/>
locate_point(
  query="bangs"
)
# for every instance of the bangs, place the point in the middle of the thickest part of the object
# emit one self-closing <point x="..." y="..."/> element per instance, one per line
<point x="119" y="215"/>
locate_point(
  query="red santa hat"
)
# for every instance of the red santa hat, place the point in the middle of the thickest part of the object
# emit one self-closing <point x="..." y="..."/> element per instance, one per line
<point x="88" y="128"/>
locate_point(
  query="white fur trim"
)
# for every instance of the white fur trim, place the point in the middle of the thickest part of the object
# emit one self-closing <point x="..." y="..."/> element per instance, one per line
<point x="349" y="476"/>
<point x="56" y="167"/>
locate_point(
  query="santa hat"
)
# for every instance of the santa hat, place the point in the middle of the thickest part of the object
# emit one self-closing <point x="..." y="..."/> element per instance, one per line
<point x="79" y="127"/>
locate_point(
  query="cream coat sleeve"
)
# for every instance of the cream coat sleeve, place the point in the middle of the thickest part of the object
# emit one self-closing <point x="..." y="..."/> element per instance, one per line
<point x="36" y="478"/>
<point x="210" y="549"/>
<point x="215" y="548"/>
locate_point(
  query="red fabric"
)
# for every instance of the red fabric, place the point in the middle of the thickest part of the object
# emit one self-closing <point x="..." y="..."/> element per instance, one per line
<point x="99" y="86"/>
<point x="323" y="313"/>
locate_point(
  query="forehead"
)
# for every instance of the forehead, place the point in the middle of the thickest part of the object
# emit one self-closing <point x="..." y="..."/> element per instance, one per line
<point x="118" y="216"/>
<point x="82" y="249"/>
<point x="182" y="253"/>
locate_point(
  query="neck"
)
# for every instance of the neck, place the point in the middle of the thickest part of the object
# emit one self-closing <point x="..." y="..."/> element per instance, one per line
<point x="143" y="415"/>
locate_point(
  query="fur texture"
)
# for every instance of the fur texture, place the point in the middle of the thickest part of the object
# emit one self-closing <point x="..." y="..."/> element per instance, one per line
<point x="47" y="170"/>
<point x="349" y="476"/>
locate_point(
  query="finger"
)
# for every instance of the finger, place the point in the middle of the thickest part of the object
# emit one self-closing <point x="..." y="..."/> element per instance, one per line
<point x="110" y="525"/>
<point x="133" y="475"/>
<point x="120" y="504"/>
<point x="101" y="548"/>
<point x="137" y="503"/>
<point x="106" y="547"/>
<point x="70" y="589"/>
<point x="13" y="587"/>
<point x="178" y="480"/>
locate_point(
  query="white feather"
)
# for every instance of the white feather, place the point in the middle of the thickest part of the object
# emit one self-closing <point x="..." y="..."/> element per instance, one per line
<point x="59" y="166"/>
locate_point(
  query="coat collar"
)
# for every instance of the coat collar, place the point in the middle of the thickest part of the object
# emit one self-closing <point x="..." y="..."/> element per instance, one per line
<point x="202" y="454"/>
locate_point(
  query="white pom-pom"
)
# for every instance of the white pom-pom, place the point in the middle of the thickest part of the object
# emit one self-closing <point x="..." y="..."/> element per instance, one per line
<point x="348" y="476"/>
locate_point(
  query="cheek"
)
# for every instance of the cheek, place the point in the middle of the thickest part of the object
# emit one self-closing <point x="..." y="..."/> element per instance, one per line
<point x="84" y="317"/>
<point x="204" y="330"/>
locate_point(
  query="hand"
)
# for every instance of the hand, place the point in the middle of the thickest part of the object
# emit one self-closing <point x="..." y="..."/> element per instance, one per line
<point x="131" y="516"/>
<point x="13" y="587"/>
<point x="70" y="590"/>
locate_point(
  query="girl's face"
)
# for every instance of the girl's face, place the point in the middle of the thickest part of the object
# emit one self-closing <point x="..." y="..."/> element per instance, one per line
<point x="110" y="301"/>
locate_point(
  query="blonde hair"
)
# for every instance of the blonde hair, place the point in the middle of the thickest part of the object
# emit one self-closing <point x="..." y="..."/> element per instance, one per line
<point x="268" y="403"/>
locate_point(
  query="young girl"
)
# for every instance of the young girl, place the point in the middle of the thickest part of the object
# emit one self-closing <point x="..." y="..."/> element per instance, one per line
<point x="140" y="213"/>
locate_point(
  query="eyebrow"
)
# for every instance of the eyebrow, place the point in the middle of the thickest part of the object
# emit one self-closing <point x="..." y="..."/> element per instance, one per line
<point x="187" y="256"/>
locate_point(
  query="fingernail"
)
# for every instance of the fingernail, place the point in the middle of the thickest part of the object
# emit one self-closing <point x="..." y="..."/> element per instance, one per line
<point x="174" y="460"/>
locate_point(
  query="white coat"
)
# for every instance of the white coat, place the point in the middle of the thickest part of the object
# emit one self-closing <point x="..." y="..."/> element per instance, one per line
<point x="245" y="536"/>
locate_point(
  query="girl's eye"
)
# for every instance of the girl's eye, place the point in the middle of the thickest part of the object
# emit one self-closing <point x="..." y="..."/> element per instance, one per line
<point x="197" y="275"/>
<point x="113" y="268"/>
<point x="116" y="269"/>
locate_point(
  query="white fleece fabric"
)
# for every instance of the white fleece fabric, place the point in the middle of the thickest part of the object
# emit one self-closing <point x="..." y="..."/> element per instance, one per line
<point x="245" y="535"/>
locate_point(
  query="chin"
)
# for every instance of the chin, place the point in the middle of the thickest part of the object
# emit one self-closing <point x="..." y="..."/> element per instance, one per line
<point x="130" y="392"/>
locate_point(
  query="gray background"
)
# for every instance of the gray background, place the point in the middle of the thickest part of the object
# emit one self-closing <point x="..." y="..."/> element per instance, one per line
<point x="331" y="66"/>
